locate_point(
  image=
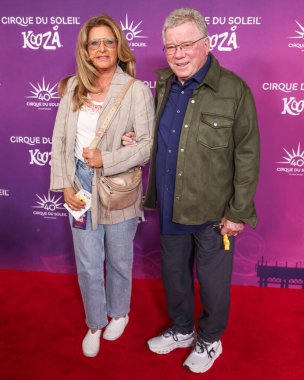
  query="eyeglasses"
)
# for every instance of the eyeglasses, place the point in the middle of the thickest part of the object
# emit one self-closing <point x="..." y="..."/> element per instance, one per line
<point x="108" y="42"/>
<point x="185" y="46"/>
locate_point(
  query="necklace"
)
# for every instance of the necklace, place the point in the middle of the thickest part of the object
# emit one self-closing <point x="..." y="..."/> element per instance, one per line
<point x="92" y="105"/>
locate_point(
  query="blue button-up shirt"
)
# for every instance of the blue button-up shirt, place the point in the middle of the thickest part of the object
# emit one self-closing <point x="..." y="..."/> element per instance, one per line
<point x="169" y="130"/>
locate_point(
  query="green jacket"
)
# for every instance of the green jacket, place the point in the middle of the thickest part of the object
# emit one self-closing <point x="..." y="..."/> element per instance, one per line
<point x="218" y="159"/>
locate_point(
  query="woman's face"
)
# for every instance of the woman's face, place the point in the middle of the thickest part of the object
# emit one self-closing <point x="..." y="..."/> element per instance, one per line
<point x="102" y="48"/>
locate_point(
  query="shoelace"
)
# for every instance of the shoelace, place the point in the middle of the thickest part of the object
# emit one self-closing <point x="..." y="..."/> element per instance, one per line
<point x="171" y="332"/>
<point x="202" y="346"/>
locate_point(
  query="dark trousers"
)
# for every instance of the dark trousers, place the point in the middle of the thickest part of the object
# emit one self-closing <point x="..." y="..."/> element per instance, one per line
<point x="214" y="271"/>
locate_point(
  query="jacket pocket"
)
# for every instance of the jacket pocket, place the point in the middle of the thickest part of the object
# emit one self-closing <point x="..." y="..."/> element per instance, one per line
<point x="214" y="130"/>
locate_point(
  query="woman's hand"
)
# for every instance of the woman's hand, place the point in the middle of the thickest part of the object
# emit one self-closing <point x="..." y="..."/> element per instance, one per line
<point x="92" y="157"/>
<point x="128" y="139"/>
<point x="71" y="199"/>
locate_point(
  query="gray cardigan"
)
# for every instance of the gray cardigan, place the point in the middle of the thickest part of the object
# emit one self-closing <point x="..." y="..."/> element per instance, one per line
<point x="136" y="113"/>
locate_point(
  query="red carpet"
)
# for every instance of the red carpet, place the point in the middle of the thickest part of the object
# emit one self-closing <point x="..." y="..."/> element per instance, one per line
<point x="41" y="328"/>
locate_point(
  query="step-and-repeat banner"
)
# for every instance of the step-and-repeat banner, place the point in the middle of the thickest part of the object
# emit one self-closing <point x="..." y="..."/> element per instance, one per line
<point x="262" y="41"/>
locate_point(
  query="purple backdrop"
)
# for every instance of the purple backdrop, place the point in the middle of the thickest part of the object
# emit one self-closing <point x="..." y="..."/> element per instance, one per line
<point x="261" y="41"/>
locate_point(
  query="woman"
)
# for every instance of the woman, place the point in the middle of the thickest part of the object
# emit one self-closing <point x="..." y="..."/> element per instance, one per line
<point x="104" y="64"/>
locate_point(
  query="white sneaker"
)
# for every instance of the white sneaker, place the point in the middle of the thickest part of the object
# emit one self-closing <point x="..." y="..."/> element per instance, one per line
<point x="170" y="340"/>
<point x="115" y="328"/>
<point x="91" y="343"/>
<point x="203" y="356"/>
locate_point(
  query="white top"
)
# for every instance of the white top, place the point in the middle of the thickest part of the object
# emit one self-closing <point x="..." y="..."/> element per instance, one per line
<point x="86" y="126"/>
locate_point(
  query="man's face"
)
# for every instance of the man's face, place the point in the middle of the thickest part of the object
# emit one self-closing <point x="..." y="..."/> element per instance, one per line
<point x="186" y="63"/>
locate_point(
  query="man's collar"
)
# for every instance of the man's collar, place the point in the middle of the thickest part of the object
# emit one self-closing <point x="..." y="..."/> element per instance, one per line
<point x="213" y="75"/>
<point x="200" y="75"/>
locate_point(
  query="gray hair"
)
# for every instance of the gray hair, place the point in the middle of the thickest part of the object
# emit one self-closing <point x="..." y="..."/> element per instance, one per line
<point x="181" y="16"/>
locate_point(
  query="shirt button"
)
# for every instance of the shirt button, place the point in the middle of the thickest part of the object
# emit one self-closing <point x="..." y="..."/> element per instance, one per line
<point x="178" y="111"/>
<point x="215" y="124"/>
<point x="177" y="198"/>
<point x="169" y="150"/>
<point x="179" y="174"/>
<point x="182" y="149"/>
<point x="192" y="101"/>
<point x="186" y="125"/>
<point x="168" y="170"/>
<point x="173" y="130"/>
<point x="182" y="92"/>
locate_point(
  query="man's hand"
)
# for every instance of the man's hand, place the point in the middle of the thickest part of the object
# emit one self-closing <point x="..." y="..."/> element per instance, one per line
<point x="92" y="157"/>
<point x="231" y="228"/>
<point x="128" y="139"/>
<point x="71" y="200"/>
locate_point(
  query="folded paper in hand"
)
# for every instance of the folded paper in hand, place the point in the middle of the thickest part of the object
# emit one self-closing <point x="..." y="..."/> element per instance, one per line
<point x="85" y="197"/>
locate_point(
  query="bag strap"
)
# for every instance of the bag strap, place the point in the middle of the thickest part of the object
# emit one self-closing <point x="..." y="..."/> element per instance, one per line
<point x="103" y="128"/>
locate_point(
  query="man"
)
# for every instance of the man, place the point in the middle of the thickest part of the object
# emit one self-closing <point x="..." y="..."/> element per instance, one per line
<point x="203" y="175"/>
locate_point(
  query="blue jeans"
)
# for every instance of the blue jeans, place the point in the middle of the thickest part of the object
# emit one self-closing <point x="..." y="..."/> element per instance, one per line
<point x="112" y="243"/>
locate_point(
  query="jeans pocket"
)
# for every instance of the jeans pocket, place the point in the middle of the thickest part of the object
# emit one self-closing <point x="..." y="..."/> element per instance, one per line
<point x="85" y="175"/>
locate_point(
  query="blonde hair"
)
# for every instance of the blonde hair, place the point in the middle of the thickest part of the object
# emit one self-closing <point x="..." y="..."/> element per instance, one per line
<point x="86" y="73"/>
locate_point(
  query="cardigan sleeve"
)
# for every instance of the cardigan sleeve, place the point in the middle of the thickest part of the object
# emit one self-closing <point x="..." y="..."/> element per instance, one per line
<point x="59" y="178"/>
<point x="142" y="118"/>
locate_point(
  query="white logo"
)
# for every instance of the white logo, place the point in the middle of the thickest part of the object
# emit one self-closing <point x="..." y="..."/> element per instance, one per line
<point x="44" y="94"/>
<point x="47" y="206"/>
<point x="295" y="161"/>
<point x="151" y="84"/>
<point x="39" y="158"/>
<point x="48" y="40"/>
<point x="299" y="36"/>
<point x="292" y="107"/>
<point x="30" y="140"/>
<point x="282" y="86"/>
<point x="225" y="41"/>
<point x="4" y="193"/>
<point x="31" y="20"/>
<point x="132" y="33"/>
<point x="244" y="20"/>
